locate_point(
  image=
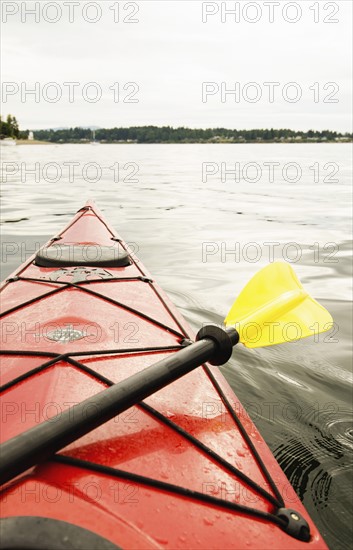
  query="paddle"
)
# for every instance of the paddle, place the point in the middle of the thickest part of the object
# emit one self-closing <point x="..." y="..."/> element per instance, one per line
<point x="274" y="308"/>
<point x="273" y="298"/>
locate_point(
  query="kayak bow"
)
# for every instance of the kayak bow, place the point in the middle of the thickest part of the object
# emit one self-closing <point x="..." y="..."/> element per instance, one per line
<point x="87" y="336"/>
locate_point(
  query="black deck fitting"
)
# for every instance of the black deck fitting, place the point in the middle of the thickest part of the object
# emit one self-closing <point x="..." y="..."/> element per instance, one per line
<point x="296" y="526"/>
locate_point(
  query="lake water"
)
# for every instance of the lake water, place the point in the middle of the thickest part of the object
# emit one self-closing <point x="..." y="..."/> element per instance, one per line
<point x="204" y="219"/>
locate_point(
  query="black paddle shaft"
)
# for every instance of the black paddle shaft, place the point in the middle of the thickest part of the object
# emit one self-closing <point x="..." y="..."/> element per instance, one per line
<point x="35" y="445"/>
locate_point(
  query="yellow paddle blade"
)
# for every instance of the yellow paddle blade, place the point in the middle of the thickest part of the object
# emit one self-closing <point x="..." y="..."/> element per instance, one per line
<point x="274" y="308"/>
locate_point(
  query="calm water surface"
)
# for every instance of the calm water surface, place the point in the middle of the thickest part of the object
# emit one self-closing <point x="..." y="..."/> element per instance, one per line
<point x="203" y="233"/>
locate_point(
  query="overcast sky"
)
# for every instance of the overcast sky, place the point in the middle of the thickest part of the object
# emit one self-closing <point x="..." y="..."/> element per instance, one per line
<point x="164" y="57"/>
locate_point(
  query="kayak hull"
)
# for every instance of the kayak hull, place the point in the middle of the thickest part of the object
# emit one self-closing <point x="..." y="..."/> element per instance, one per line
<point x="167" y="473"/>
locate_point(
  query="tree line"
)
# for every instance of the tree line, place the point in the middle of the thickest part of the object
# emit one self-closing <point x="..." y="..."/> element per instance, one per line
<point x="9" y="128"/>
<point x="168" y="134"/>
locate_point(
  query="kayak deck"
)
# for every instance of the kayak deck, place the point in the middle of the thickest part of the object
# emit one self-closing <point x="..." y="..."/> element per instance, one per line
<point x="186" y="468"/>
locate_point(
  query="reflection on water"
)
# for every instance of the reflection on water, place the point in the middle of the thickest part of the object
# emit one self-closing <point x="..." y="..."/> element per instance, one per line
<point x="203" y="238"/>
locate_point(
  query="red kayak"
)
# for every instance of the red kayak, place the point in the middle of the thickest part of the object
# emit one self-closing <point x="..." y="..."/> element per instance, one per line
<point x="184" y="468"/>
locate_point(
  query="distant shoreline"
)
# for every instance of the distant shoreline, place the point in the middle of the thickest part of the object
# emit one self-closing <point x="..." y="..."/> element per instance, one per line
<point x="169" y="134"/>
<point x="32" y="142"/>
<point x="120" y="142"/>
<point x="10" y="131"/>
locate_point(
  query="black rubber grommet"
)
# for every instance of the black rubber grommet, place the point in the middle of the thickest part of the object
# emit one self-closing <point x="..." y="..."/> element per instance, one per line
<point x="224" y="340"/>
<point x="12" y="279"/>
<point x="296" y="526"/>
<point x="185" y="342"/>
